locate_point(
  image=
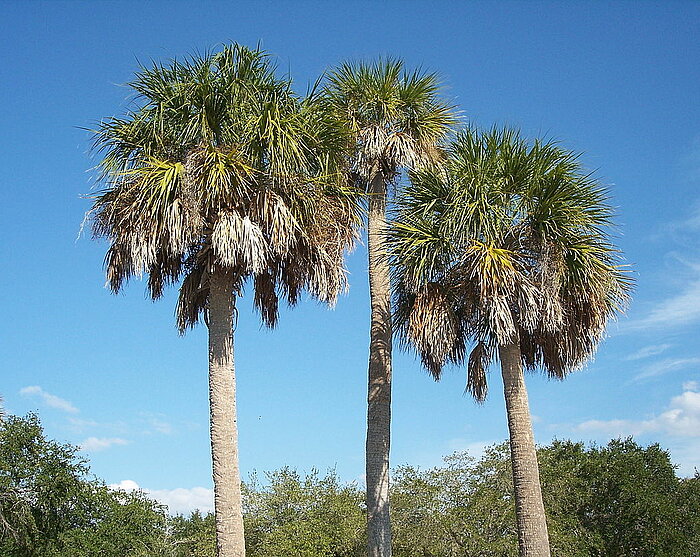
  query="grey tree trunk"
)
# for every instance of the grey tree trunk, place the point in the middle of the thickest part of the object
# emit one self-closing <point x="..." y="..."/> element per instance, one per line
<point x="379" y="383"/>
<point x="533" y="540"/>
<point x="230" y="541"/>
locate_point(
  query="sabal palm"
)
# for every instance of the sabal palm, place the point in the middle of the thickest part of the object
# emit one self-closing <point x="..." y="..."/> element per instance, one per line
<point x="221" y="175"/>
<point x="505" y="249"/>
<point x="396" y="120"/>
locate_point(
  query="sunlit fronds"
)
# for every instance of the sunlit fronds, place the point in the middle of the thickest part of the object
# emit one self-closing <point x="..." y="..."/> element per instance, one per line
<point x="518" y="233"/>
<point x="220" y="165"/>
<point x="396" y="118"/>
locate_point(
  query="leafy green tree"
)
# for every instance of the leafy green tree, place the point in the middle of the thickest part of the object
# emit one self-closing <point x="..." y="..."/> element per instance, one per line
<point x="116" y="524"/>
<point x="505" y="246"/>
<point x="626" y="499"/>
<point x="193" y="536"/>
<point x="395" y="119"/>
<point x="40" y="485"/>
<point x="219" y="176"/>
<point x="50" y="508"/>
<point x="311" y="516"/>
<point x="621" y="499"/>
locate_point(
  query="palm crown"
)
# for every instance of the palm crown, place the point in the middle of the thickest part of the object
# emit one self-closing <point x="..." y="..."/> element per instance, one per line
<point x="505" y="243"/>
<point x="396" y="117"/>
<point x="222" y="166"/>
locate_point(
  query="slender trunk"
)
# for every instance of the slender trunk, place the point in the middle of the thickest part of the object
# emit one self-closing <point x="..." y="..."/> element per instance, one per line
<point x="379" y="384"/>
<point x="230" y="541"/>
<point x="533" y="540"/>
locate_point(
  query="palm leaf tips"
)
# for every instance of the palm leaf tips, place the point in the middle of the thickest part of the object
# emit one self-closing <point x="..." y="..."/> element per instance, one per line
<point x="220" y="165"/>
<point x="517" y="235"/>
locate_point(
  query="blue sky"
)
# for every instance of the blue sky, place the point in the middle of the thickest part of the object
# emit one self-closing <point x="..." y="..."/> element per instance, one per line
<point x="618" y="81"/>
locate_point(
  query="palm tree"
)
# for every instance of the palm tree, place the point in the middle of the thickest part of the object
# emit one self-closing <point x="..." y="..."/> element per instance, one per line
<point x="396" y="120"/>
<point x="505" y="249"/>
<point x="222" y="174"/>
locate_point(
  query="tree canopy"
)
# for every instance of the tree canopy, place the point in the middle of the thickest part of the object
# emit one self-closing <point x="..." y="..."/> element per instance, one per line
<point x="617" y="499"/>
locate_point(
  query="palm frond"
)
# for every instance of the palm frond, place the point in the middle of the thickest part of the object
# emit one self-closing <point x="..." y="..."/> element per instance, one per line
<point x="518" y="233"/>
<point x="219" y="165"/>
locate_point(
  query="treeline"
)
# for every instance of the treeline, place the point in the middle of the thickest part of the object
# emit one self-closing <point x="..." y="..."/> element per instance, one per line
<point x="621" y="499"/>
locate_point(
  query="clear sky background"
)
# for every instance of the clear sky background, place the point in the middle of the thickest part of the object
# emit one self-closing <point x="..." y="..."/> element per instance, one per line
<point x="618" y="81"/>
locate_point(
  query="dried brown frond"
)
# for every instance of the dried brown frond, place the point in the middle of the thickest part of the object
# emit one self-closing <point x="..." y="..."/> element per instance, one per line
<point x="432" y="327"/>
<point x="479" y="361"/>
<point x="192" y="301"/>
<point x="265" y="298"/>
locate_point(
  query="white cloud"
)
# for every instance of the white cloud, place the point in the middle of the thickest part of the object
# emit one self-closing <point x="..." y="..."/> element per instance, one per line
<point x="179" y="500"/>
<point x="691" y="386"/>
<point x="101" y="443"/>
<point x="184" y="501"/>
<point x="50" y="400"/>
<point x="475" y="449"/>
<point x="648" y="351"/>
<point x="682" y="419"/>
<point x="161" y="426"/>
<point x="666" y="366"/>
<point x="125" y="485"/>
<point x="681" y="309"/>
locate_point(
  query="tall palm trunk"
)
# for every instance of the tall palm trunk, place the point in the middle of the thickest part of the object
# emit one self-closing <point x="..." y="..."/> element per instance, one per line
<point x="230" y="541"/>
<point x="379" y="384"/>
<point x="533" y="539"/>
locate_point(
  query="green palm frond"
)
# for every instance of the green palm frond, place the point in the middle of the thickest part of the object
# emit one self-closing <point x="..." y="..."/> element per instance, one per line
<point x="220" y="165"/>
<point x="395" y="118"/>
<point x="518" y="233"/>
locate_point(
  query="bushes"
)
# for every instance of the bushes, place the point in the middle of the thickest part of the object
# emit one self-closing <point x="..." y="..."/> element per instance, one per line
<point x="50" y="508"/>
<point x="620" y="499"/>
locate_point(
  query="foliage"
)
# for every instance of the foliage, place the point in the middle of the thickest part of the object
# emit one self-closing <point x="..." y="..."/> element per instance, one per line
<point x="117" y="524"/>
<point x="619" y="499"/>
<point x="626" y="498"/>
<point x="193" y="536"/>
<point x="49" y="507"/>
<point x="506" y="242"/>
<point x="395" y="117"/>
<point x="40" y="484"/>
<point x="622" y="499"/>
<point x="305" y="517"/>
<point x="221" y="166"/>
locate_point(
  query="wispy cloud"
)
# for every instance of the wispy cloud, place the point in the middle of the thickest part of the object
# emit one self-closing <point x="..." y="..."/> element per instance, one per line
<point x="648" y="352"/>
<point x="156" y="423"/>
<point x="50" y="400"/>
<point x="79" y="425"/>
<point x="666" y="366"/>
<point x="101" y="443"/>
<point x="476" y="449"/>
<point x="681" y="309"/>
<point x="179" y="500"/>
<point x="681" y="419"/>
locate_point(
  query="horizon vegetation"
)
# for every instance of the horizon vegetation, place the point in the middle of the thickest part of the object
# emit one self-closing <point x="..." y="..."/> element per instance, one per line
<point x="615" y="499"/>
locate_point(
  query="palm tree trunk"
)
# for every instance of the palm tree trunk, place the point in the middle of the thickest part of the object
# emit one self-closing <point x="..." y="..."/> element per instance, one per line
<point x="379" y="383"/>
<point x="533" y="539"/>
<point x="230" y="541"/>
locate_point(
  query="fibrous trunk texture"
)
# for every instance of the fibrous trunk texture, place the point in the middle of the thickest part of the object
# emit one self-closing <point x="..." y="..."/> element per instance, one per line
<point x="533" y="540"/>
<point x="379" y="384"/>
<point x="230" y="541"/>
